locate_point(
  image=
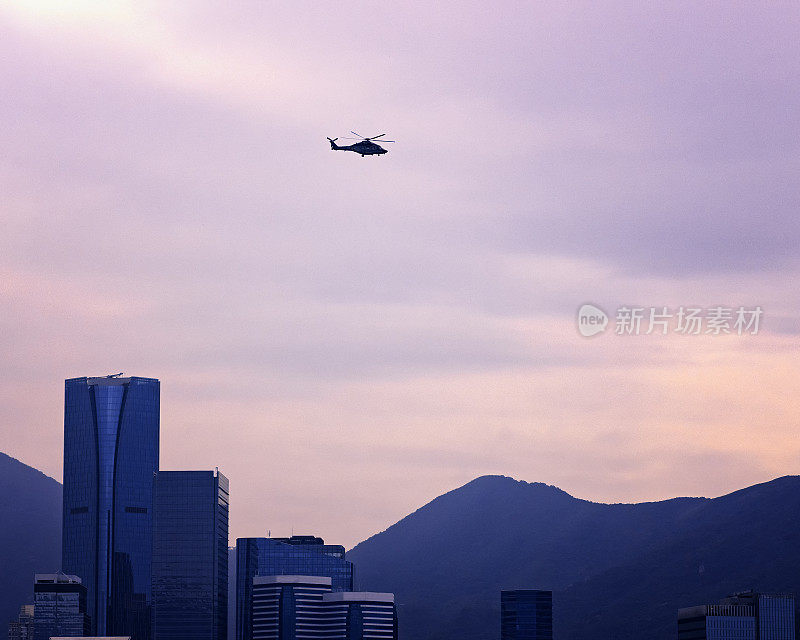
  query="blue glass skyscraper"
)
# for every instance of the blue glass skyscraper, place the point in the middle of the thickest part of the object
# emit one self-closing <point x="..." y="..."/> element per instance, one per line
<point x="190" y="556"/>
<point x="298" y="555"/>
<point x="111" y="431"/>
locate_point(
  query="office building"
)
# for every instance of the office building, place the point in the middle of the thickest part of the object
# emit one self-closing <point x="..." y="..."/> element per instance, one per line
<point x="717" y="622"/>
<point x="22" y="627"/>
<point x="298" y="555"/>
<point x="775" y="613"/>
<point x="60" y="606"/>
<point x="190" y="555"/>
<point x="305" y="608"/>
<point x="526" y="614"/>
<point x="358" y="615"/>
<point x="744" y="616"/>
<point x="111" y="430"/>
<point x="287" y="607"/>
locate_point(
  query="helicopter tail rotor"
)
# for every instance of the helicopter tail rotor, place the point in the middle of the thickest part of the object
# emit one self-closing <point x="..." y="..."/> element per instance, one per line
<point x="333" y="143"/>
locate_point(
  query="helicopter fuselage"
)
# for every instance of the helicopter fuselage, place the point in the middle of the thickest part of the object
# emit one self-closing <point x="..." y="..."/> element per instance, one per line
<point x="365" y="148"/>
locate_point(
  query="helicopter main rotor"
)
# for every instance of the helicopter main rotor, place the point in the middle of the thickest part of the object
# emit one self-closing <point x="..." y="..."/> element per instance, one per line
<point x="366" y="139"/>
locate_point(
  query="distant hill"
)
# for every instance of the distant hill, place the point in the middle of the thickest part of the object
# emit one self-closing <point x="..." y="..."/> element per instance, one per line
<point x="618" y="571"/>
<point x="30" y="535"/>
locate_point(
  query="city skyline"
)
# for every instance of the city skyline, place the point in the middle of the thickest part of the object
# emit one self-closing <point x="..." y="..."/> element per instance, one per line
<point x="351" y="337"/>
<point x="735" y="526"/>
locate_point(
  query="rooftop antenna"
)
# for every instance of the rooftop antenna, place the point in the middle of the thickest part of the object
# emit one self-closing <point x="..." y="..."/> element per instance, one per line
<point x="115" y="375"/>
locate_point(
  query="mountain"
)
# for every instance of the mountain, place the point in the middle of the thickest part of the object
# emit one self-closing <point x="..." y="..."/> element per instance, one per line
<point x="618" y="571"/>
<point x="30" y="538"/>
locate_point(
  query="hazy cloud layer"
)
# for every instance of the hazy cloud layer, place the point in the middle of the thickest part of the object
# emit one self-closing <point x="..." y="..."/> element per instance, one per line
<point x="348" y="337"/>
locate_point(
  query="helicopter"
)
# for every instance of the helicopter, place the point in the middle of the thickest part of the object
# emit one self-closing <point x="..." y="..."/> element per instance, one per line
<point x="366" y="146"/>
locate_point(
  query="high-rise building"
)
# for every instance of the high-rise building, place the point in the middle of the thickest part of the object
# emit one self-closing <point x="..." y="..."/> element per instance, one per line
<point x="744" y="616"/>
<point x="305" y="608"/>
<point x="190" y="555"/>
<point x="358" y="615"/>
<point x="111" y="430"/>
<point x="717" y="622"/>
<point x="526" y="614"/>
<point x="776" y="616"/>
<point x="287" y="607"/>
<point x="22" y="627"/>
<point x="60" y="606"/>
<point x="298" y="555"/>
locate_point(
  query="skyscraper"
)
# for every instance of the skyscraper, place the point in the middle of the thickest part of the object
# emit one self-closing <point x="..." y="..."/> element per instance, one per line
<point x="190" y="555"/>
<point x="60" y="606"/>
<point x="111" y="430"/>
<point x="526" y="614"/>
<point x="298" y="555"/>
<point x="748" y="615"/>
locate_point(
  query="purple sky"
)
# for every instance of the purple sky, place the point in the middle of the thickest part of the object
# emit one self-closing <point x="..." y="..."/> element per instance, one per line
<point x="348" y="337"/>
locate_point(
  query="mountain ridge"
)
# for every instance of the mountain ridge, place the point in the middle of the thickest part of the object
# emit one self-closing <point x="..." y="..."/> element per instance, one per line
<point x="31" y="501"/>
<point x="618" y="570"/>
<point x="497" y="532"/>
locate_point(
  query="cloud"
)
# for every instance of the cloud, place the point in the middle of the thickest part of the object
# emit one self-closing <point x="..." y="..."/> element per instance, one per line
<point x="324" y="323"/>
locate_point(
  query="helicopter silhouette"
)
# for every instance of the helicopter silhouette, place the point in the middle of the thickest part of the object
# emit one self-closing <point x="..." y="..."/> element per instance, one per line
<point x="366" y="146"/>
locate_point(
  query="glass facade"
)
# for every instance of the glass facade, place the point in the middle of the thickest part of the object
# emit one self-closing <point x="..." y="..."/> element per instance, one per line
<point x="298" y="555"/>
<point x="717" y="622"/>
<point x="744" y="616"/>
<point x="190" y="555"/>
<point x="776" y="617"/>
<point x="60" y="607"/>
<point x="730" y="628"/>
<point x="526" y="614"/>
<point x="111" y="434"/>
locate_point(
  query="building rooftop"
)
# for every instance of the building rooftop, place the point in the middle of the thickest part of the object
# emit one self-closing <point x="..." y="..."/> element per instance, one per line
<point x="115" y="379"/>
<point x="53" y="578"/>
<point x="320" y="580"/>
<point x="358" y="596"/>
